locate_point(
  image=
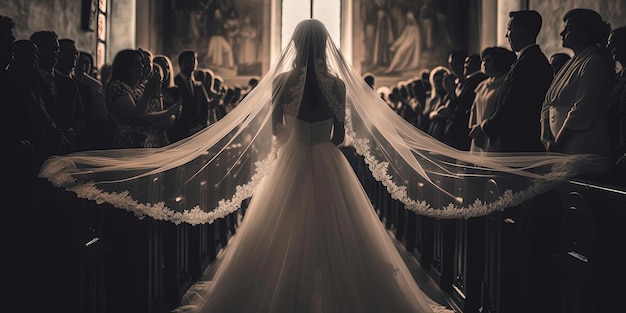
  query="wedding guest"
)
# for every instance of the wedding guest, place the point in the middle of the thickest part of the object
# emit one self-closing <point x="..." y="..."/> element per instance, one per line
<point x="105" y="73"/>
<point x="370" y="79"/>
<point x="496" y="62"/>
<point x="99" y="127"/>
<point x="440" y="110"/>
<point x="85" y="59"/>
<point x="405" y="109"/>
<point x="68" y="60"/>
<point x="515" y="123"/>
<point x="456" y="64"/>
<point x="436" y="95"/>
<point x="214" y="97"/>
<point x="457" y="131"/>
<point x="252" y="83"/>
<point x="617" y="101"/>
<point x="60" y="92"/>
<point x="13" y="180"/>
<point x="169" y="91"/>
<point x="557" y="60"/>
<point x="418" y="101"/>
<point x="7" y="42"/>
<point x="220" y="90"/>
<point x="574" y="114"/>
<point x="30" y="119"/>
<point x="188" y="123"/>
<point x="157" y="97"/>
<point x="138" y="121"/>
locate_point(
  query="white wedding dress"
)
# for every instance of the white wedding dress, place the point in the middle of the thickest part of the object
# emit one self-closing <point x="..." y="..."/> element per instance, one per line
<point x="310" y="242"/>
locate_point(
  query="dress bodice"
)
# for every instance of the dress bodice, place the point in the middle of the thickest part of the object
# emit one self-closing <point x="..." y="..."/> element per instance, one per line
<point x="310" y="133"/>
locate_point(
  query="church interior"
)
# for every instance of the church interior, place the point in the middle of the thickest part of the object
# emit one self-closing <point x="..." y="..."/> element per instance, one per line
<point x="557" y="252"/>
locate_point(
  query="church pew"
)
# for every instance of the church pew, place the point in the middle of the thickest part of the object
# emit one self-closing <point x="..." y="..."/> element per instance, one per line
<point x="469" y="250"/>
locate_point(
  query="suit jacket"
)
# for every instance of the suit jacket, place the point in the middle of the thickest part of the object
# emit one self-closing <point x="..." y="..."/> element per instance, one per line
<point x="195" y="113"/>
<point x="65" y="107"/>
<point x="515" y="124"/>
<point x="578" y="99"/>
<point x="457" y="130"/>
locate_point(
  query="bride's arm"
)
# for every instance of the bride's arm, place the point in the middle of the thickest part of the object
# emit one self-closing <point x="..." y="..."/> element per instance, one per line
<point x="277" y="112"/>
<point x="339" y="130"/>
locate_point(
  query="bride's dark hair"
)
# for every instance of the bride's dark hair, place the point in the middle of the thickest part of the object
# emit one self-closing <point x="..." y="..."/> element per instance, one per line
<point x="310" y="42"/>
<point x="309" y="39"/>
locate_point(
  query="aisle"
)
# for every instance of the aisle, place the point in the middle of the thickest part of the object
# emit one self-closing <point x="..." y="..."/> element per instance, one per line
<point x="425" y="282"/>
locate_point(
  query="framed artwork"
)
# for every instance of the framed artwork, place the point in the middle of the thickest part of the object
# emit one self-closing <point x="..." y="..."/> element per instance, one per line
<point x="399" y="38"/>
<point x="89" y="15"/>
<point x="231" y="37"/>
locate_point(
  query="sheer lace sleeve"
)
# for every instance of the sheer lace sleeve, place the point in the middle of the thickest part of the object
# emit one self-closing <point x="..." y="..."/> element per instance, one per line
<point x="334" y="90"/>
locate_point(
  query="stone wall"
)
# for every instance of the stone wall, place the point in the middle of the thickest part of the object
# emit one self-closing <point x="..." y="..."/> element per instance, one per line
<point x="61" y="16"/>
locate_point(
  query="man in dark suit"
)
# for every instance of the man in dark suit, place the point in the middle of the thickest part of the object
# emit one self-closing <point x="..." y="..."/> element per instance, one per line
<point x="59" y="92"/>
<point x="193" y="116"/>
<point x="457" y="126"/>
<point x="514" y="125"/>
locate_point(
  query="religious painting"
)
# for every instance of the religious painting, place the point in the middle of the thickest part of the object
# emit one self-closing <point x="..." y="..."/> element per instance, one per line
<point x="229" y="36"/>
<point x="398" y="38"/>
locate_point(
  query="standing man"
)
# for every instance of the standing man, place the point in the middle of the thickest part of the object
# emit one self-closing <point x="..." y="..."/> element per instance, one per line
<point x="59" y="92"/>
<point x="194" y="116"/>
<point x="515" y="126"/>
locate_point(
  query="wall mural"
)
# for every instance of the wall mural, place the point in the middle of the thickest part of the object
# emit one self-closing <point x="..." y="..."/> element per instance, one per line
<point x="401" y="37"/>
<point x="227" y="34"/>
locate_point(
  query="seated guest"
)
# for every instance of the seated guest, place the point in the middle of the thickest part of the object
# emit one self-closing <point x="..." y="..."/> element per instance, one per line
<point x="574" y="114"/>
<point x="496" y="62"/>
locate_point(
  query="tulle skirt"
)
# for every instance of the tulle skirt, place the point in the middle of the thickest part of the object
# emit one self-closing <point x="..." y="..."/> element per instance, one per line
<point x="310" y="242"/>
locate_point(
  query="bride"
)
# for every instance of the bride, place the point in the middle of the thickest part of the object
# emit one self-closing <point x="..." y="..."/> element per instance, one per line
<point x="310" y="240"/>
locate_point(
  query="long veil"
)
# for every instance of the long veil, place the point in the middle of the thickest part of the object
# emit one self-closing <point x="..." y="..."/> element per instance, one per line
<point x="207" y="176"/>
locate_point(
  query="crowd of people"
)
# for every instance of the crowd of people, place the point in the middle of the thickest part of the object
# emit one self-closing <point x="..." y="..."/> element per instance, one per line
<point x="498" y="100"/>
<point x="519" y="100"/>
<point x="59" y="102"/>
